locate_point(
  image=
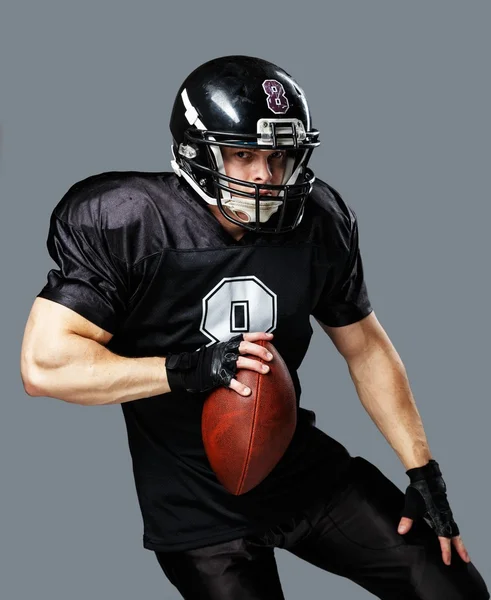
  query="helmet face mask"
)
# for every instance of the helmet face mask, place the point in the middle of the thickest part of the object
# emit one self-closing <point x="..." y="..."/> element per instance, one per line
<point x="248" y="90"/>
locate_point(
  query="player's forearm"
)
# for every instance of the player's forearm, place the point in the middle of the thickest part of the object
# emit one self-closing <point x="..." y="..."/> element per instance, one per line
<point x="82" y="371"/>
<point x="383" y="387"/>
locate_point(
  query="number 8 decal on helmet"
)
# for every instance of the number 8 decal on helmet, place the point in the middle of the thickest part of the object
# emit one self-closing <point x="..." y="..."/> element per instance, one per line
<point x="277" y="100"/>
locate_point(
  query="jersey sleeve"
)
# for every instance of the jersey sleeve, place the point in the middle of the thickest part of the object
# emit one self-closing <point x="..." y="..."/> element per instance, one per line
<point x="89" y="279"/>
<point x="344" y="298"/>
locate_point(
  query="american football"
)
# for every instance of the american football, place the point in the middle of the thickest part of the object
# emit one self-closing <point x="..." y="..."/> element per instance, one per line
<point x="245" y="436"/>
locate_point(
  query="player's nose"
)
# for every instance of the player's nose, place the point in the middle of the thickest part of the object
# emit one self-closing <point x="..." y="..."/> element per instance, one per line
<point x="262" y="169"/>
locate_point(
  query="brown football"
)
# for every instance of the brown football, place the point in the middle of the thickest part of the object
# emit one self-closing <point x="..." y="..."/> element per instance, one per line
<point x="245" y="436"/>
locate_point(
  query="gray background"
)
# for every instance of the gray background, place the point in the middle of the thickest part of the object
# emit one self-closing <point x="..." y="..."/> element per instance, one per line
<point x="401" y="94"/>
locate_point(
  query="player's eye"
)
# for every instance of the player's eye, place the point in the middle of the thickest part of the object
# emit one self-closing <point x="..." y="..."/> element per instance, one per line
<point x="242" y="154"/>
<point x="278" y="155"/>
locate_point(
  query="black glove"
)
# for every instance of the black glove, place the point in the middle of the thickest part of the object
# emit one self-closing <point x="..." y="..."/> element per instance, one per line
<point x="426" y="497"/>
<point x="205" y="369"/>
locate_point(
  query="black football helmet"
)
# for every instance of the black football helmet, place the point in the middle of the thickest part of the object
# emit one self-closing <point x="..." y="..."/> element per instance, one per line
<point x="249" y="103"/>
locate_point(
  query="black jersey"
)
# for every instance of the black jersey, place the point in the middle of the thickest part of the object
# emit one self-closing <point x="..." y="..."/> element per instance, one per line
<point x="140" y="255"/>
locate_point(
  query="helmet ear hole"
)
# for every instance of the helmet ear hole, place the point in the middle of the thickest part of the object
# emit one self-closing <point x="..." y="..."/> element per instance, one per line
<point x="188" y="150"/>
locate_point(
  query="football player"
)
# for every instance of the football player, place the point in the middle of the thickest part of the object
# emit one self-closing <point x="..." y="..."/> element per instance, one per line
<point x="165" y="281"/>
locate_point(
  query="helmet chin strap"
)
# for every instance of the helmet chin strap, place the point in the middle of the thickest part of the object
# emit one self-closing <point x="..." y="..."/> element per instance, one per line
<point x="267" y="208"/>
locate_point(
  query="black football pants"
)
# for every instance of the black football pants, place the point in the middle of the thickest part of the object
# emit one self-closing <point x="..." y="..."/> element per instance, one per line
<point x="354" y="537"/>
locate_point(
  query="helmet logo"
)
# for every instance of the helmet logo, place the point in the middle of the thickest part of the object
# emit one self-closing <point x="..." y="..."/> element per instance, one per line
<point x="277" y="100"/>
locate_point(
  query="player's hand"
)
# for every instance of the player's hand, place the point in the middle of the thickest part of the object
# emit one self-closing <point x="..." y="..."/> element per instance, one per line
<point x="212" y="366"/>
<point x="247" y="346"/>
<point x="426" y="498"/>
<point x="445" y="543"/>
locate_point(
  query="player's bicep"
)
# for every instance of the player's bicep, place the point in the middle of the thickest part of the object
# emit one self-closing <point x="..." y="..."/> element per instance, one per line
<point x="47" y="329"/>
<point x="46" y="333"/>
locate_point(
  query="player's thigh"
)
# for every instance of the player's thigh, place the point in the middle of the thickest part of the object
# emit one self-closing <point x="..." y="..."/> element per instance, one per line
<point x="237" y="569"/>
<point x="357" y="538"/>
